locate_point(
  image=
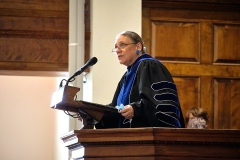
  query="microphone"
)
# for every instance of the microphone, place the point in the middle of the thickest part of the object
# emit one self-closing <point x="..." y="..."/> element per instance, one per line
<point x="89" y="63"/>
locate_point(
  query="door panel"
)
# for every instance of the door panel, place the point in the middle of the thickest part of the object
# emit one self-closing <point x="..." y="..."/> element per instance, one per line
<point x="177" y="41"/>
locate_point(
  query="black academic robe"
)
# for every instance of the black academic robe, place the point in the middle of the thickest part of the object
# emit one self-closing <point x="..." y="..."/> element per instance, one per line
<point x="150" y="109"/>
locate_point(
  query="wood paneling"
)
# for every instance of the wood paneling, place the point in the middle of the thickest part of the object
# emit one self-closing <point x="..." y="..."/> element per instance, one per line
<point x="21" y="49"/>
<point x="167" y="46"/>
<point x="226" y="38"/>
<point x="34" y="35"/>
<point x="227" y="104"/>
<point x="188" y="95"/>
<point x="198" y="41"/>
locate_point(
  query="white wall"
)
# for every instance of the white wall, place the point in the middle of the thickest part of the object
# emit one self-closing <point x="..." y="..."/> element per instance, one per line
<point x="30" y="129"/>
<point x="108" y="18"/>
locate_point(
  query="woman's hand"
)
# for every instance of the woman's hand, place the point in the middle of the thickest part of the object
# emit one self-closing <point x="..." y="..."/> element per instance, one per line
<point x="127" y="112"/>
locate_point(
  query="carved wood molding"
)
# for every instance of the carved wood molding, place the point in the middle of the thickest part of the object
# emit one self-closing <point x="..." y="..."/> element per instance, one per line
<point x="31" y="9"/>
<point x="154" y="142"/>
<point x="35" y="73"/>
<point x="151" y="135"/>
<point x="158" y="143"/>
<point x="219" y="70"/>
<point x="210" y="5"/>
<point x="34" y="34"/>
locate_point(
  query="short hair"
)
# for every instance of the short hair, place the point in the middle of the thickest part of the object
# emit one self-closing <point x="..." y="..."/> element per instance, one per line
<point x="134" y="37"/>
<point x="197" y="112"/>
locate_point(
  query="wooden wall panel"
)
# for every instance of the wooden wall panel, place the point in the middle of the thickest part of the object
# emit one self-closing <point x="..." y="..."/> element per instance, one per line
<point x="227" y="106"/>
<point x="206" y="41"/>
<point x="146" y="29"/>
<point x="188" y="95"/>
<point x="227" y="40"/>
<point x="39" y="57"/>
<point x="34" y="24"/>
<point x="206" y="97"/>
<point x="175" y="41"/>
<point x="34" y="35"/>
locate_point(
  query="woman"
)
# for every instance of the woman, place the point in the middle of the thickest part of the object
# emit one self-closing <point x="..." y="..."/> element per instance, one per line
<point x="146" y="91"/>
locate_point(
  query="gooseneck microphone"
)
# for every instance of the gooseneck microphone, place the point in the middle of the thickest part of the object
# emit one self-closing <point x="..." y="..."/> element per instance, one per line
<point x="89" y="63"/>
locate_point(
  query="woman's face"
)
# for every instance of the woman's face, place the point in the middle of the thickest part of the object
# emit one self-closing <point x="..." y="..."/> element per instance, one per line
<point x="126" y="50"/>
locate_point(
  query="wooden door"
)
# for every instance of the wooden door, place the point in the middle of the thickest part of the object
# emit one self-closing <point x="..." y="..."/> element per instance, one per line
<point x="199" y="42"/>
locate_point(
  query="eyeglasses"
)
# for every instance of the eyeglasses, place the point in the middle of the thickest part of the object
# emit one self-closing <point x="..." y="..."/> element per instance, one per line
<point x="121" y="46"/>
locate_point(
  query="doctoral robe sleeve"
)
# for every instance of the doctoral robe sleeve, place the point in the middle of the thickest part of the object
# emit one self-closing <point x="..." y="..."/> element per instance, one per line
<point x="157" y="100"/>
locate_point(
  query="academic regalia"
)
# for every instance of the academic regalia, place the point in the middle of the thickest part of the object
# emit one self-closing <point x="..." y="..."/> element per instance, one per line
<point x="149" y="88"/>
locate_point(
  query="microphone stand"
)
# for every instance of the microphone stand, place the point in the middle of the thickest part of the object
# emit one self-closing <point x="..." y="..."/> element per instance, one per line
<point x="89" y="63"/>
<point x="73" y="76"/>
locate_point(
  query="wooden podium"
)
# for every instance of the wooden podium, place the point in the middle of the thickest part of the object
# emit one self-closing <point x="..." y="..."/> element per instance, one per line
<point x="140" y="143"/>
<point x="63" y="99"/>
<point x="153" y="144"/>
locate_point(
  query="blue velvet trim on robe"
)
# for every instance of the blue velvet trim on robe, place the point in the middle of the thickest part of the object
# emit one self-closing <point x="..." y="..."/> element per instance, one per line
<point x="124" y="95"/>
